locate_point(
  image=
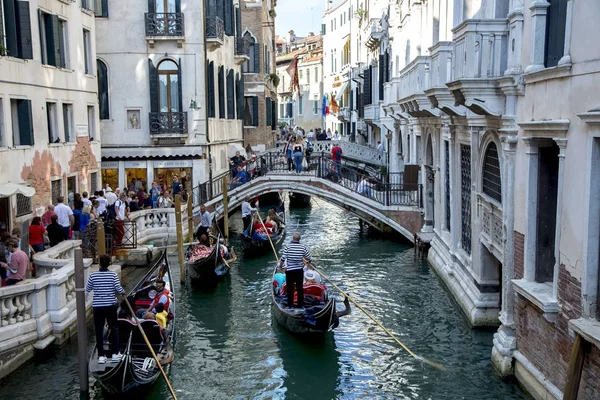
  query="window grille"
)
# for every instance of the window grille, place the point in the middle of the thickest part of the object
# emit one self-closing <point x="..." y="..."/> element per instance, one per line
<point x="93" y="182"/>
<point x="492" y="183"/>
<point x="56" y="190"/>
<point x="23" y="205"/>
<point x="465" y="195"/>
<point x="448" y="210"/>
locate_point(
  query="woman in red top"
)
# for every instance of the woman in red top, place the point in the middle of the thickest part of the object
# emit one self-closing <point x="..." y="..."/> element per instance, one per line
<point x="36" y="234"/>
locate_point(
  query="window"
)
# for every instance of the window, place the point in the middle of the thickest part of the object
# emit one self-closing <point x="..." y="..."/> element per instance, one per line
<point x="2" y="129"/>
<point x="239" y="92"/>
<point x="68" y="122"/>
<point x="492" y="185"/>
<point x="299" y="75"/>
<point x="555" y="32"/>
<point x="23" y="205"/>
<point x="87" y="52"/>
<point x="53" y="39"/>
<point x="87" y="4"/>
<point x="168" y="87"/>
<point x="56" y="190"/>
<point x="221" y="85"/>
<point x="447" y="185"/>
<point x="281" y="109"/>
<point x="316" y="74"/>
<point x="17" y="29"/>
<point x="300" y="105"/>
<point x="210" y="93"/>
<point x="251" y="111"/>
<point x="103" y="89"/>
<point x="307" y="75"/>
<point x="253" y="63"/>
<point x="52" y="118"/>
<point x="91" y="117"/>
<point x="93" y="181"/>
<point x="230" y="95"/>
<point x="465" y="196"/>
<point x="22" y="125"/>
<point x="101" y="8"/>
<point x="316" y="107"/>
<point x="268" y="112"/>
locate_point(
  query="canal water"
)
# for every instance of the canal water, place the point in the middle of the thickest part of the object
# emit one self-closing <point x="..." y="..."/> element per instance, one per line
<point x="228" y="347"/>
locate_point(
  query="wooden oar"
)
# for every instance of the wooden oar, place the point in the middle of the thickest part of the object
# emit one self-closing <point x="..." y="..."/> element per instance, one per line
<point x="267" y="232"/>
<point x="162" y="371"/>
<point x="432" y="363"/>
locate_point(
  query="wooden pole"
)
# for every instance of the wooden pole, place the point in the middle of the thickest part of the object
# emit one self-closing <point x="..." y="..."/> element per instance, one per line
<point x="179" y="230"/>
<point x="433" y="364"/>
<point x="268" y="236"/>
<point x="101" y="237"/>
<point x="190" y="215"/>
<point x="225" y="211"/>
<point x="84" y="384"/>
<point x="578" y="351"/>
<point x="162" y="371"/>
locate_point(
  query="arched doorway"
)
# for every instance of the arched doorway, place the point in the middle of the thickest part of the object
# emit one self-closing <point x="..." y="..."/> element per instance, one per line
<point x="429" y="184"/>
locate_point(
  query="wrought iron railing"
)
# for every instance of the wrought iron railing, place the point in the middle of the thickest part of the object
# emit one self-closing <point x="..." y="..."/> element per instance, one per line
<point x="208" y="190"/>
<point x="168" y="122"/>
<point x="164" y="24"/>
<point x="241" y="47"/>
<point x="214" y="28"/>
<point x="23" y="205"/>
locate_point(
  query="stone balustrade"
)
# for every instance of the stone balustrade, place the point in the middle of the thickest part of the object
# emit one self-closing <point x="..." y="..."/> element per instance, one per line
<point x="158" y="223"/>
<point x="413" y="77"/>
<point x="353" y="151"/>
<point x="490" y="217"/>
<point x="55" y="257"/>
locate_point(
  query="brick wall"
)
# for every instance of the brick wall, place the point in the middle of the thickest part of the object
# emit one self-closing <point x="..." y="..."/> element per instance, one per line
<point x="589" y="388"/>
<point x="519" y="254"/>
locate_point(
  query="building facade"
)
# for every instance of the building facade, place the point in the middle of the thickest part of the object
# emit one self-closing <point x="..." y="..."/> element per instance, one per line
<point x="260" y="89"/>
<point x="49" y="136"/>
<point x="168" y="92"/>
<point x="302" y="106"/>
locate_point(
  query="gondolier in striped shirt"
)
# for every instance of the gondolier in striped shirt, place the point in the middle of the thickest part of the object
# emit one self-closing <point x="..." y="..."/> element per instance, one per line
<point x="293" y="258"/>
<point x="105" y="284"/>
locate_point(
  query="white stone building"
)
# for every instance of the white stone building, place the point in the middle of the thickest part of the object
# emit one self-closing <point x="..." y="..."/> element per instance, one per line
<point x="169" y="90"/>
<point x="49" y="136"/>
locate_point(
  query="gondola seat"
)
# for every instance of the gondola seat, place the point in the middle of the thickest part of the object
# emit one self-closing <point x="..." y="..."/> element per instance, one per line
<point x="312" y="289"/>
<point x="152" y="330"/>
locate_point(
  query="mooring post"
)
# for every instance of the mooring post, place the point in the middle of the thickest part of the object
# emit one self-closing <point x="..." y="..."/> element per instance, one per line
<point x="179" y="230"/>
<point x="81" y="323"/>
<point x="225" y="211"/>
<point x="190" y="215"/>
<point x="101" y="237"/>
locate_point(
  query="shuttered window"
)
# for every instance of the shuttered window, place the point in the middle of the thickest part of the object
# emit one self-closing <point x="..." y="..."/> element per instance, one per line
<point x="316" y="107"/>
<point x="555" y="32"/>
<point x="53" y="39"/>
<point x="17" y="28"/>
<point x="101" y="8"/>
<point x="230" y="96"/>
<point x="273" y="115"/>
<point x="381" y="77"/>
<point x="251" y="111"/>
<point x="238" y="22"/>
<point x="239" y="88"/>
<point x="153" y="85"/>
<point x="210" y="90"/>
<point x="221" y="83"/>
<point x="255" y="116"/>
<point x="102" y="72"/>
<point x="268" y="111"/>
<point x="367" y="79"/>
<point x="22" y="122"/>
<point x="492" y="181"/>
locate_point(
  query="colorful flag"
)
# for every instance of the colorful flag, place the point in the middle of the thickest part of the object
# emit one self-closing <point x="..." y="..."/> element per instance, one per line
<point x="334" y="105"/>
<point x="292" y="71"/>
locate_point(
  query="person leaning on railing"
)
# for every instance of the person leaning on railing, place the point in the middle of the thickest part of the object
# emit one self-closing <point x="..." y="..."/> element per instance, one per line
<point x="19" y="262"/>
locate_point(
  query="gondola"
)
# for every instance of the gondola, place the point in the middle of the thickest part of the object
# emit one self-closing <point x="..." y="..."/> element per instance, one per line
<point x="137" y="368"/>
<point x="299" y="200"/>
<point x="319" y="315"/>
<point x="213" y="266"/>
<point x="255" y="242"/>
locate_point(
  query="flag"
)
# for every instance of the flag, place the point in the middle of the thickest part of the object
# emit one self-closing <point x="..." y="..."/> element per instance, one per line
<point x="292" y="71"/>
<point x="334" y="105"/>
<point x="324" y="109"/>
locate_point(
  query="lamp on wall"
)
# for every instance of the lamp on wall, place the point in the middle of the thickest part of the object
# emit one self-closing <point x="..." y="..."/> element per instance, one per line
<point x="193" y="105"/>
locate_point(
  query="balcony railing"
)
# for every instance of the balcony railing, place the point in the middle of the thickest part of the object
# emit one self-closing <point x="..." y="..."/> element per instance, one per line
<point x="241" y="47"/>
<point x="491" y="224"/>
<point x="168" y="123"/>
<point x="164" y="24"/>
<point x="214" y="28"/>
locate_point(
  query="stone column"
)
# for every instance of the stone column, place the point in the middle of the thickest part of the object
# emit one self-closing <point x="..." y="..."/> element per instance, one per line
<point x="505" y="340"/>
<point x="530" y="209"/>
<point x="515" y="37"/>
<point x="562" y="144"/>
<point x="566" y="58"/>
<point x="539" y="14"/>
<point x="396" y="164"/>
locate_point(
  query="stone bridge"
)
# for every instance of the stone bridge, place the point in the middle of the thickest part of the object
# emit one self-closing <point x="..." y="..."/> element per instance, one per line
<point x="387" y="208"/>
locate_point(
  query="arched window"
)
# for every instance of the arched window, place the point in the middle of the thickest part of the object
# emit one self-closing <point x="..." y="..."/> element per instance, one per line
<point x="253" y="64"/>
<point x="492" y="184"/>
<point x="103" y="89"/>
<point x="168" y="87"/>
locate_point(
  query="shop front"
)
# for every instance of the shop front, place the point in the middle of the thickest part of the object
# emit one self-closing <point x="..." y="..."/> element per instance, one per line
<point x="110" y="174"/>
<point x="166" y="170"/>
<point x="136" y="175"/>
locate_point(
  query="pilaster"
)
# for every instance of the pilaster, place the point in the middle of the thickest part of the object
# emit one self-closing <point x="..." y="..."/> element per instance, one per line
<point x="539" y="14"/>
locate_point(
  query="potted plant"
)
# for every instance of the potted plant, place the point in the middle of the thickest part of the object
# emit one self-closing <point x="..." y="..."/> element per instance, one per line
<point x="274" y="78"/>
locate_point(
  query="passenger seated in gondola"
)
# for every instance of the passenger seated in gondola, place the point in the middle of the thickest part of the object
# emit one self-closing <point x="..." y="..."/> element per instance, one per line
<point x="278" y="281"/>
<point x="161" y="297"/>
<point x="275" y="218"/>
<point x="203" y="241"/>
<point x="161" y="315"/>
<point x="311" y="276"/>
<point x="124" y="312"/>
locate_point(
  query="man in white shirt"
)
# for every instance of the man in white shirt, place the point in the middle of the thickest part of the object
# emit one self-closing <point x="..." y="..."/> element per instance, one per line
<point x="121" y="213"/>
<point x="247" y="211"/>
<point x="310" y="136"/>
<point x="101" y="203"/>
<point x="65" y="215"/>
<point x="380" y="147"/>
<point x="110" y="197"/>
<point x="85" y="200"/>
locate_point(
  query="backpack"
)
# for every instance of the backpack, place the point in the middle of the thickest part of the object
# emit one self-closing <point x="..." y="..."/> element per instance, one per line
<point x="338" y="154"/>
<point x="110" y="210"/>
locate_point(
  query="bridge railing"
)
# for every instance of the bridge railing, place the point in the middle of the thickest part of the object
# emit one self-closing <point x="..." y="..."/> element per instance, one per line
<point x="352" y="151"/>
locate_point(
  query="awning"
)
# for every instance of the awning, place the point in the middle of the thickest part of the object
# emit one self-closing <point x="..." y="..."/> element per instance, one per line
<point x="121" y="153"/>
<point x="10" y="189"/>
<point x="233" y="147"/>
<point x="343" y="89"/>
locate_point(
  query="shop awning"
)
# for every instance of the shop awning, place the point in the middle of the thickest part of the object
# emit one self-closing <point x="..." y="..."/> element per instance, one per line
<point x="233" y="147"/>
<point x="10" y="189"/>
<point x="343" y="89"/>
<point x="123" y="153"/>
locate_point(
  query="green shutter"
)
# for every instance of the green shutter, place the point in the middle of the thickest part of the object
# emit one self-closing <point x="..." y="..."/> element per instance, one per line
<point x="210" y="107"/>
<point x="53" y="40"/>
<point x="221" y="84"/>
<point x="180" y="87"/>
<point x="102" y="72"/>
<point x="240" y="94"/>
<point x="178" y="6"/>
<point x="228" y="21"/>
<point x="255" y="118"/>
<point x="273" y="115"/>
<point x="268" y="111"/>
<point x="12" y="37"/>
<point x="24" y="21"/>
<point x="211" y="8"/>
<point x="221" y="9"/>
<point x="104" y="9"/>
<point x="256" y="58"/>
<point x="1" y="29"/>
<point x="151" y="6"/>
<point x="238" y="22"/>
<point x="230" y="96"/>
<point x="25" y="122"/>
<point x="153" y="86"/>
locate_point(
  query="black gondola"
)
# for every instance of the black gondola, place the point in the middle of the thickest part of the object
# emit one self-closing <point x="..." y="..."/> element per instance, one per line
<point x="318" y="318"/>
<point x="137" y="368"/>
<point x="213" y="266"/>
<point x="299" y="200"/>
<point x="256" y="243"/>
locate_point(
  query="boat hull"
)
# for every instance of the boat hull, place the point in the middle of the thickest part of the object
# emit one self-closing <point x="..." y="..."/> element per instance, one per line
<point x="325" y="320"/>
<point x="299" y="200"/>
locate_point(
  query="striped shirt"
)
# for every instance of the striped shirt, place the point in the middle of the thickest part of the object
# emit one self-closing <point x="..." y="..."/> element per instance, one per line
<point x="293" y="254"/>
<point x="104" y="284"/>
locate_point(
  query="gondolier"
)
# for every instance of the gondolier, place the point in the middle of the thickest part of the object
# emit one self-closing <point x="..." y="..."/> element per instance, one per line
<point x="205" y="222"/>
<point x="247" y="211"/>
<point x="293" y="259"/>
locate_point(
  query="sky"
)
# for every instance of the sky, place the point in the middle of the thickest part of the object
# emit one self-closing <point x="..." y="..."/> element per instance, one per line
<point x="302" y="16"/>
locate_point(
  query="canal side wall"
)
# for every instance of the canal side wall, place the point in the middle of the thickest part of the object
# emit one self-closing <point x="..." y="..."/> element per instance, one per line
<point x="38" y="313"/>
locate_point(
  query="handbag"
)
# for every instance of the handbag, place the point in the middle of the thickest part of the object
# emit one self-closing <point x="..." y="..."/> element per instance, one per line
<point x="304" y="163"/>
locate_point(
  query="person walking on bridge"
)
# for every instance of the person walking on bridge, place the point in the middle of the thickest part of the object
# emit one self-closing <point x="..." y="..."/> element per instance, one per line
<point x="293" y="258"/>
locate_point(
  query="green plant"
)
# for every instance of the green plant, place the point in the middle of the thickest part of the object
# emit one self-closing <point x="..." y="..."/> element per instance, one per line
<point x="3" y="50"/>
<point x="274" y="78"/>
<point x="282" y="125"/>
<point x="361" y="14"/>
<point x="272" y="13"/>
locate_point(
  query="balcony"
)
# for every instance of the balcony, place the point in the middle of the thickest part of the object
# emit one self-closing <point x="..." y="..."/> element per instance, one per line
<point x="414" y="80"/>
<point x="372" y="114"/>
<point x="480" y="58"/>
<point x="215" y="32"/>
<point x="374" y="33"/>
<point x="164" y="26"/>
<point x="344" y="114"/>
<point x="491" y="225"/>
<point x="441" y="72"/>
<point x="168" y="126"/>
<point x="242" y="50"/>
